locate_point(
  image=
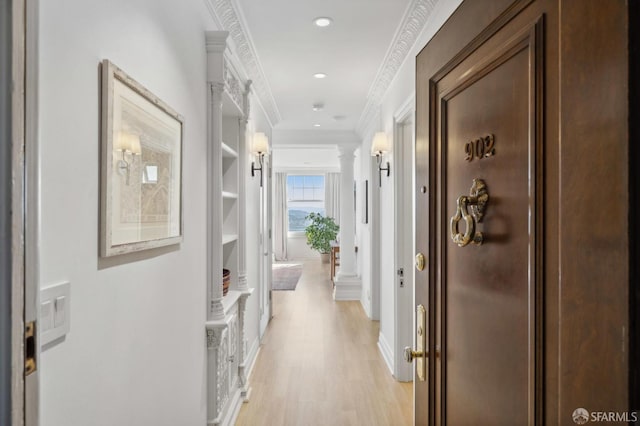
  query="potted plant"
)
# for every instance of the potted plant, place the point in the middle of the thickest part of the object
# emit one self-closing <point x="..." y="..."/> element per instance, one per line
<point x="320" y="232"/>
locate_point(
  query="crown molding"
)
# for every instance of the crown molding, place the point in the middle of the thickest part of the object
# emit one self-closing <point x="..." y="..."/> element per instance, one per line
<point x="414" y="21"/>
<point x="229" y="17"/>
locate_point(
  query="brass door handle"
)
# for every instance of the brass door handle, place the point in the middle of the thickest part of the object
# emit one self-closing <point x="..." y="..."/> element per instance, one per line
<point x="476" y="201"/>
<point x="410" y="354"/>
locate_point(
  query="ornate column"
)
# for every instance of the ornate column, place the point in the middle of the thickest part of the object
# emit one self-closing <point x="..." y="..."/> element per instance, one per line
<point x="242" y="196"/>
<point x="348" y="284"/>
<point x="243" y="285"/>
<point x="214" y="201"/>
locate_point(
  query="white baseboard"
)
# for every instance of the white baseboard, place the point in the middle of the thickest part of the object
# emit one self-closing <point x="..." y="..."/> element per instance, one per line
<point x="386" y="352"/>
<point x="366" y="305"/>
<point x="347" y="288"/>
<point x="232" y="413"/>
<point x="251" y="357"/>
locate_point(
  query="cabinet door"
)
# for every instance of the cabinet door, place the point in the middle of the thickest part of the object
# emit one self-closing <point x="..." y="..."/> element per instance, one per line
<point x="222" y="370"/>
<point x="233" y="354"/>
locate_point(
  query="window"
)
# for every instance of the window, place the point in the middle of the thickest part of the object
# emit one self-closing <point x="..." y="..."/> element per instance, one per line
<point x="305" y="194"/>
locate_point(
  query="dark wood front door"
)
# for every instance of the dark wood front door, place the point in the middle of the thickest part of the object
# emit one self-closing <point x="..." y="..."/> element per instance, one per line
<point x="489" y="219"/>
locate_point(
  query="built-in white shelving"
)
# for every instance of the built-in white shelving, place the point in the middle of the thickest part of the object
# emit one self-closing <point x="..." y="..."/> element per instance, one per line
<point x="230" y="195"/>
<point x="228" y="152"/>
<point x="227" y="385"/>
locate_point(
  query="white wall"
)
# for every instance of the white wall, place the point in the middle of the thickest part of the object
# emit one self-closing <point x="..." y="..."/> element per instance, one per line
<point x="135" y="354"/>
<point x="298" y="249"/>
<point x="303" y="158"/>
<point x="401" y="89"/>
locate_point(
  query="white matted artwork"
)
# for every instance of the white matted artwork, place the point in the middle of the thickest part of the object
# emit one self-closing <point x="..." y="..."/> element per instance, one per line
<point x="141" y="167"/>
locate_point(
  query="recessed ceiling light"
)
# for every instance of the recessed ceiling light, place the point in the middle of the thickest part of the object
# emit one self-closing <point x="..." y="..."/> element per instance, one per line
<point x="322" y="21"/>
<point x="316" y="125"/>
<point x="319" y="75"/>
<point x="318" y="107"/>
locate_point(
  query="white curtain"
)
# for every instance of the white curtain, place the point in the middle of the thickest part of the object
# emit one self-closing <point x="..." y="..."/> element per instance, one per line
<point x="332" y="196"/>
<point x="280" y="218"/>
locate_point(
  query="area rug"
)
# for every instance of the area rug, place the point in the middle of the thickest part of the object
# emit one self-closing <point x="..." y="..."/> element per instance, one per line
<point x="286" y="276"/>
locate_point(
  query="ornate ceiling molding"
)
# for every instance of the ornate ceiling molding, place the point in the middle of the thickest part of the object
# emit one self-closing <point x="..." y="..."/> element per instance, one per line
<point x="412" y="25"/>
<point x="229" y="18"/>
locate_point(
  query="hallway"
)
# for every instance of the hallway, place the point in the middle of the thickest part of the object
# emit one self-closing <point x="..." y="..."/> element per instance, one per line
<point x="319" y="364"/>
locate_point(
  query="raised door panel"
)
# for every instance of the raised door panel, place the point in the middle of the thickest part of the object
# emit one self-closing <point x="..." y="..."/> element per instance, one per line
<point x="486" y="117"/>
<point x="233" y="352"/>
<point x="222" y="373"/>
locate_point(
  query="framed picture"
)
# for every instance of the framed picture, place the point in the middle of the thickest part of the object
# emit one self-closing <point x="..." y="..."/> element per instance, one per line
<point x="141" y="167"/>
<point x="365" y="201"/>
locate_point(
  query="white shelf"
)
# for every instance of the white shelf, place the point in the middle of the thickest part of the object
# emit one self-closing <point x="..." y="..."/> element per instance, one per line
<point x="229" y="238"/>
<point x="231" y="195"/>
<point x="228" y="152"/>
<point x="231" y="298"/>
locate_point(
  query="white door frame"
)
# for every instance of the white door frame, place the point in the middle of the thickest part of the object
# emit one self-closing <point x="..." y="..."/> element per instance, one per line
<point x="11" y="220"/>
<point x="25" y="208"/>
<point x="266" y="246"/>
<point x="374" y="223"/>
<point x="403" y="152"/>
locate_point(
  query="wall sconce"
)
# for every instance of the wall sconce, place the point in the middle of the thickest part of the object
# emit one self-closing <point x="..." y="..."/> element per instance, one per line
<point x="129" y="145"/>
<point x="379" y="147"/>
<point x="260" y="148"/>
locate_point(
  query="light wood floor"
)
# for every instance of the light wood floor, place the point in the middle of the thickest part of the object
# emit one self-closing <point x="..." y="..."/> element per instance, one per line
<point x="319" y="364"/>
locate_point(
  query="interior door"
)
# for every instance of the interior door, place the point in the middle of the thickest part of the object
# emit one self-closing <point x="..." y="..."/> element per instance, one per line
<point x="519" y="310"/>
<point x="483" y="202"/>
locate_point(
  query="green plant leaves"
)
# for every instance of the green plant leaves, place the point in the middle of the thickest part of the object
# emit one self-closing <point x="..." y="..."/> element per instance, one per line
<point x="321" y="232"/>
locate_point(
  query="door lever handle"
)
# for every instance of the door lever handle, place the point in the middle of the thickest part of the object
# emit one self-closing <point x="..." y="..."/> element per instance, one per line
<point x="410" y="354"/>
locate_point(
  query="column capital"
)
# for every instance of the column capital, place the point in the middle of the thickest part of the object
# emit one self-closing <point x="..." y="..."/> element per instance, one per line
<point x="347" y="151"/>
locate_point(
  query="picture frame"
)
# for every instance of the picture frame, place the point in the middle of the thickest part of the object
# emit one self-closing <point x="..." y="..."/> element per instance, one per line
<point x="141" y="167"/>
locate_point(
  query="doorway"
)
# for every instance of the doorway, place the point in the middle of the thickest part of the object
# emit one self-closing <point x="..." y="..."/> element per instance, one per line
<point x="266" y="247"/>
<point x="403" y="233"/>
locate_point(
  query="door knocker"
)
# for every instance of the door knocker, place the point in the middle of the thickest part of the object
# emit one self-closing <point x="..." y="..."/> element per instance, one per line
<point x="476" y="201"/>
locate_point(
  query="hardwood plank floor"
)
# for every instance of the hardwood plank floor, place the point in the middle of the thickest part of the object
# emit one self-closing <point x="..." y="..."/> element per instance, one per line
<point x="319" y="364"/>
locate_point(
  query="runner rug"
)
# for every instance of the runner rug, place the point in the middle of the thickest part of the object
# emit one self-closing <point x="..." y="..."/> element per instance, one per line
<point x="286" y="276"/>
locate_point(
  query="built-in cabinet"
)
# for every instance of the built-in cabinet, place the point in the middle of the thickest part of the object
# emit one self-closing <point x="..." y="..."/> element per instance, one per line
<point x="227" y="116"/>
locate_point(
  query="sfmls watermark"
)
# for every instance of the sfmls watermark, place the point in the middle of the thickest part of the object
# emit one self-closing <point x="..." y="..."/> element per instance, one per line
<point x="581" y="416"/>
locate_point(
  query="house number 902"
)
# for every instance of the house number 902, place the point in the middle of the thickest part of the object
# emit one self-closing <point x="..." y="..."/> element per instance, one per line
<point x="480" y="148"/>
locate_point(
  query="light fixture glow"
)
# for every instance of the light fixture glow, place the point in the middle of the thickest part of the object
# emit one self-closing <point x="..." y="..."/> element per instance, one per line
<point x="320" y="75"/>
<point x="128" y="144"/>
<point x="316" y="125"/>
<point x="322" y="21"/>
<point x="380" y="146"/>
<point x="259" y="148"/>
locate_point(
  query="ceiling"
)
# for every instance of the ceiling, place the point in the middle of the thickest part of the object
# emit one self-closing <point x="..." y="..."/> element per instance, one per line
<point x="287" y="49"/>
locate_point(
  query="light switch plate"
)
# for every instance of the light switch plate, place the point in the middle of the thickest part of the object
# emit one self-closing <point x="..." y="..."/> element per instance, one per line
<point x="46" y="315"/>
<point x="60" y="310"/>
<point x="55" y="302"/>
